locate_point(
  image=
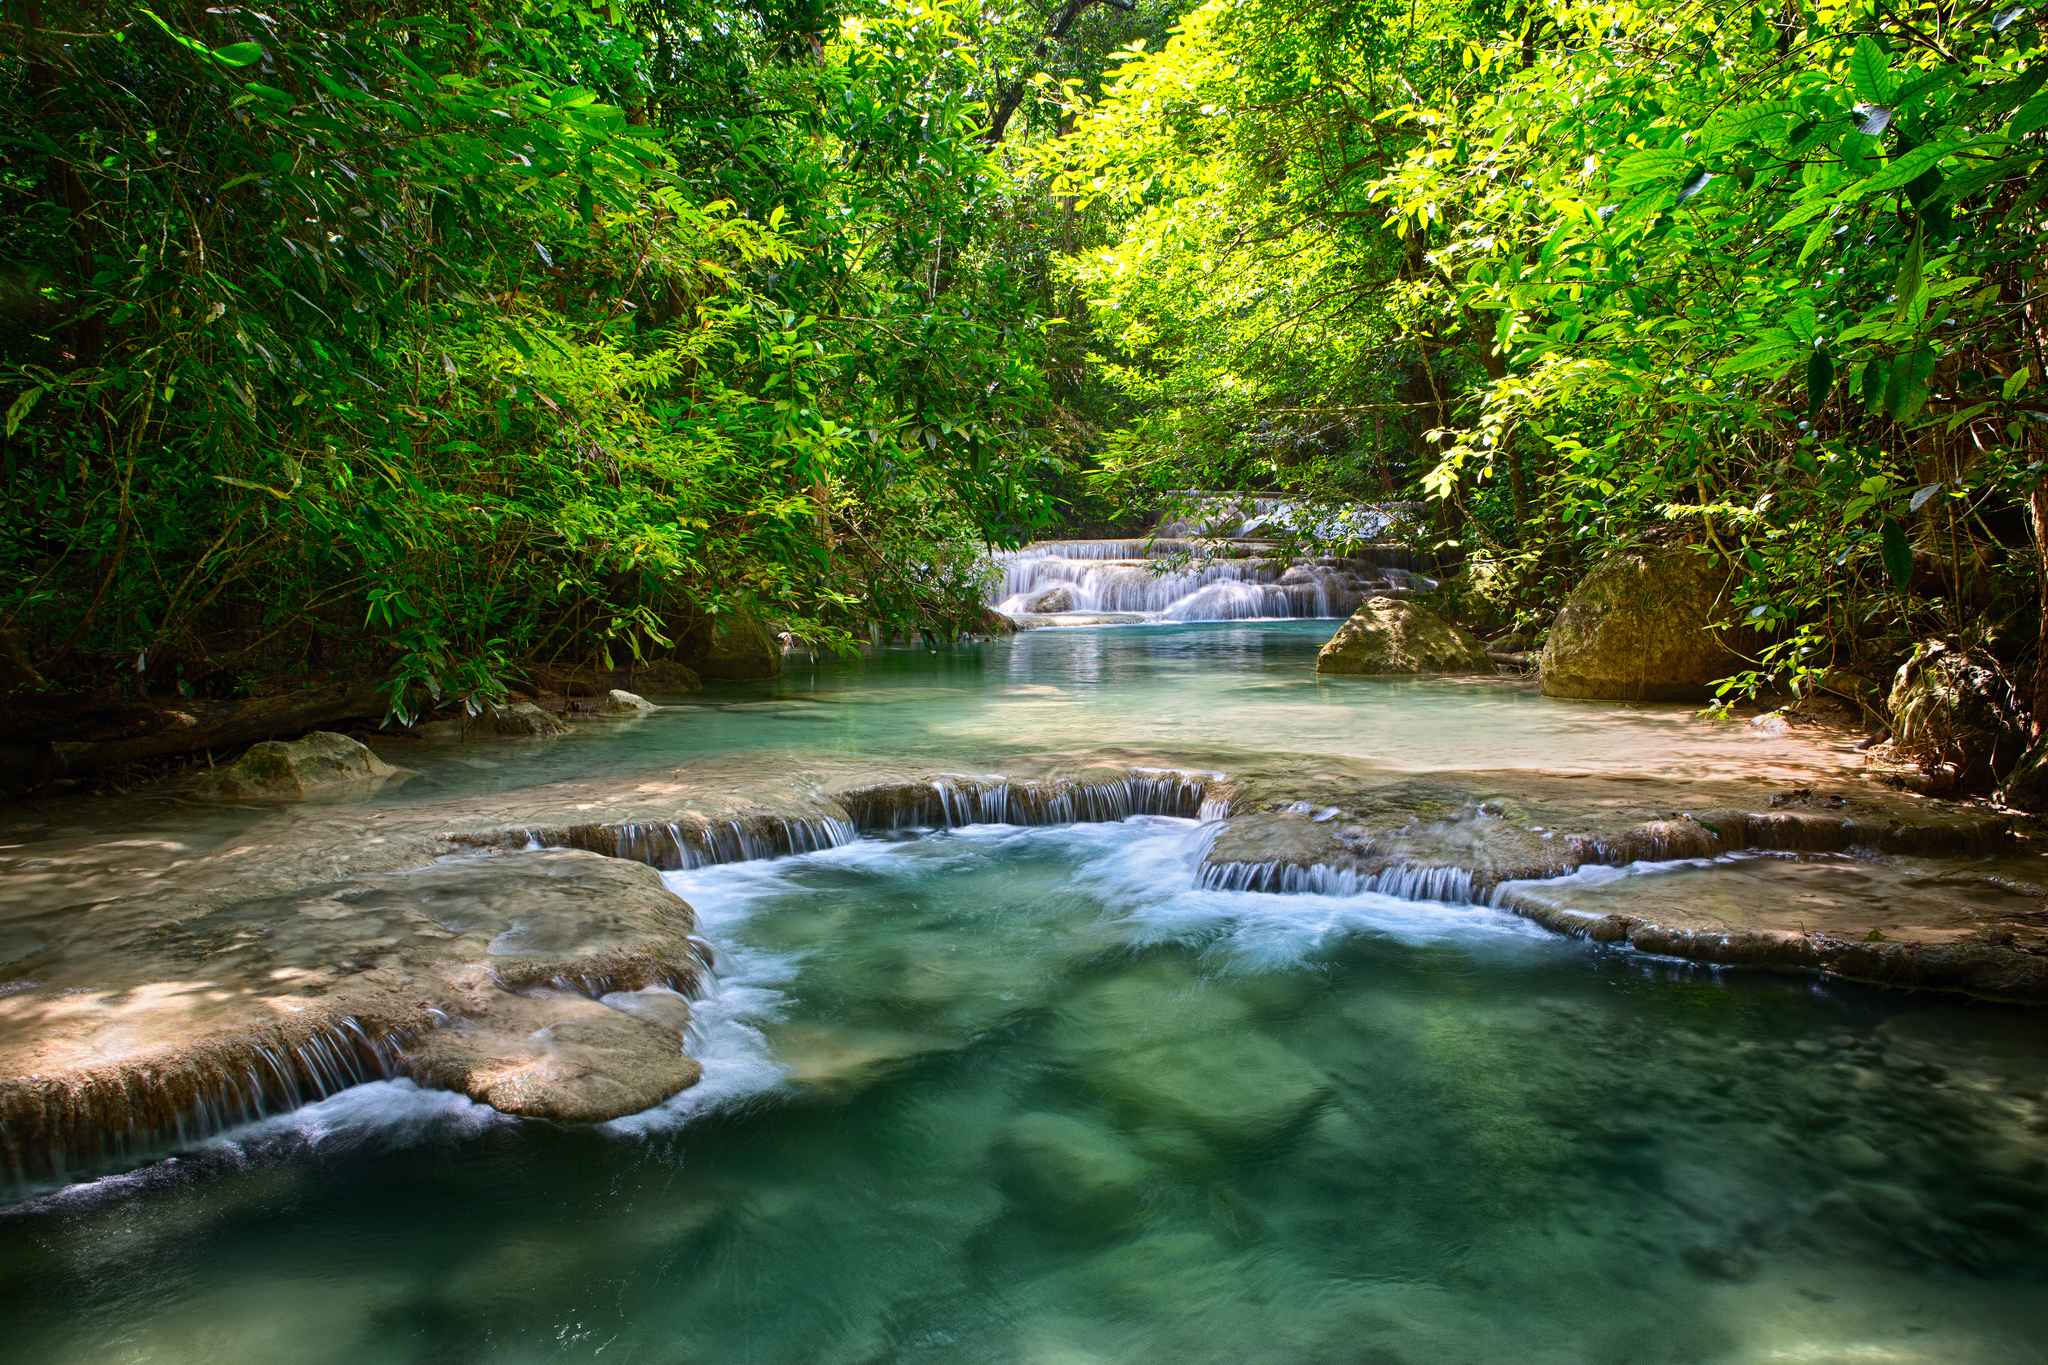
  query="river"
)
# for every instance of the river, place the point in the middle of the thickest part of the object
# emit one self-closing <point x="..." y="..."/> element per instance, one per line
<point x="1032" y="1094"/>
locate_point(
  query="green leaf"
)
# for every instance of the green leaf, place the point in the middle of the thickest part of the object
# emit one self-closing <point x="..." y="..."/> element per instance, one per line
<point x="1659" y="163"/>
<point x="1820" y="380"/>
<point x="2031" y="115"/>
<point x="1905" y="391"/>
<point x="1774" y="348"/>
<point x="1906" y="168"/>
<point x="2014" y="382"/>
<point x="240" y="54"/>
<point x="19" y="409"/>
<point x="1910" y="273"/>
<point x="1875" y="376"/>
<point x="1897" y="553"/>
<point x="1870" y="71"/>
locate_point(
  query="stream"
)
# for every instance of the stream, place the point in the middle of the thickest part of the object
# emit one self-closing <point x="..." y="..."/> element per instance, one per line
<point x="1034" y="1095"/>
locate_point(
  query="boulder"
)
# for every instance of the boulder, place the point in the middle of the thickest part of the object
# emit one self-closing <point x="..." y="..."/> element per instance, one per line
<point x="1387" y="635"/>
<point x="1956" y="717"/>
<point x="618" y="702"/>
<point x="321" y="761"/>
<point x="1060" y="598"/>
<point x="1636" y="629"/>
<point x="663" y="677"/>
<point x="2027" y="788"/>
<point x="521" y="718"/>
<point x="736" y="647"/>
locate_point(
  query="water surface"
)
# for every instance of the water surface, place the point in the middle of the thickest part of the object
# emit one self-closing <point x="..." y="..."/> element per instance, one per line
<point x="1025" y="1095"/>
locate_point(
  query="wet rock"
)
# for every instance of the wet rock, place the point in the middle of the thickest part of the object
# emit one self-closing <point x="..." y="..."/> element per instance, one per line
<point x="518" y="720"/>
<point x="618" y="702"/>
<point x="1076" y="1175"/>
<point x="278" y="769"/>
<point x="482" y="974"/>
<point x="736" y="647"/>
<point x="1052" y="599"/>
<point x="1240" y="1091"/>
<point x="555" y="1055"/>
<point x="1956" y="717"/>
<point x="1854" y="1154"/>
<point x="1636" y="629"/>
<point x="1387" y="635"/>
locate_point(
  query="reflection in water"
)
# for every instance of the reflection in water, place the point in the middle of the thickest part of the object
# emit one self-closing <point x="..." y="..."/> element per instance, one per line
<point x="1248" y="688"/>
<point x="1024" y="1095"/>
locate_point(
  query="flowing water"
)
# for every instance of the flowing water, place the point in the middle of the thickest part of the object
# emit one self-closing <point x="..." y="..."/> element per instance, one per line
<point x="1243" y="688"/>
<point x="1033" y="1095"/>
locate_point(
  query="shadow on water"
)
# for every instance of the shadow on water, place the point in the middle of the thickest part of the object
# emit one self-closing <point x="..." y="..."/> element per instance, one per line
<point x="1023" y="1095"/>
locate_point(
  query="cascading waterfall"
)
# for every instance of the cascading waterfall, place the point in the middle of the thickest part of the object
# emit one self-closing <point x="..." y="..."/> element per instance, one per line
<point x="1228" y="577"/>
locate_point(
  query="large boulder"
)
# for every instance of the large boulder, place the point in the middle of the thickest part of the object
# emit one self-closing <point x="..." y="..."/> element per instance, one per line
<point x="1956" y="717"/>
<point x="736" y="647"/>
<point x="1388" y="635"/>
<point x="322" y="761"/>
<point x="1636" y="629"/>
<point x="665" y="677"/>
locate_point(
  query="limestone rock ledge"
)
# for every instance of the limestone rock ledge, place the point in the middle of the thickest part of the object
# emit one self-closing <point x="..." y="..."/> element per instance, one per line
<point x="1388" y="635"/>
<point x="497" y="975"/>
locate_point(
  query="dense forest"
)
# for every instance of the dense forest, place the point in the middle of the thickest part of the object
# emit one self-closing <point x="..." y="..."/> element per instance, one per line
<point x="430" y="344"/>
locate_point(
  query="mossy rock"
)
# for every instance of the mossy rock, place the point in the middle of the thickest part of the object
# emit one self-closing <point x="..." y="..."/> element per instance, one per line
<point x="1386" y="635"/>
<point x="736" y="647"/>
<point x="1956" y="717"/>
<point x="1637" y="629"/>
<point x="277" y="769"/>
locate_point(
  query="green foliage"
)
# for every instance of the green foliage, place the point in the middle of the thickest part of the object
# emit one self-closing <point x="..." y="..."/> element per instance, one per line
<point x="1760" y="276"/>
<point x="460" y="342"/>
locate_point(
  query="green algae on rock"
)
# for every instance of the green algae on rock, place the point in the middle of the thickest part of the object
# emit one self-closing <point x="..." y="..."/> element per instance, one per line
<point x="1388" y="635"/>
<point x="1639" y="628"/>
<point x="275" y="769"/>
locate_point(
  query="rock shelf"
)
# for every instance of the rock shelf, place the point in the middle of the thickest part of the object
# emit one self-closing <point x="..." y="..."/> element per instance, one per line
<point x="523" y="950"/>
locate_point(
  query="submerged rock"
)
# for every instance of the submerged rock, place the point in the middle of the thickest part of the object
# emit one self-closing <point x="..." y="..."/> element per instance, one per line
<point x="1637" y="629"/>
<point x="1076" y="1175"/>
<point x="1956" y="717"/>
<point x="321" y="761"/>
<point x="1239" y="1090"/>
<point x="1387" y="635"/>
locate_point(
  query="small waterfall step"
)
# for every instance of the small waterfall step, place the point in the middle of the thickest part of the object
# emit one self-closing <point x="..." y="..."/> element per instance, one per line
<point x="1093" y="582"/>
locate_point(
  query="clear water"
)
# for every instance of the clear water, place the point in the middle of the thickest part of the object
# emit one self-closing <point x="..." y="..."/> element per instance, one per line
<point x="1023" y="1095"/>
<point x="1227" y="688"/>
<point x="1005" y="1095"/>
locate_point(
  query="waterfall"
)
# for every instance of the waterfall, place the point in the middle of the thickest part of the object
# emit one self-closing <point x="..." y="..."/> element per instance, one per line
<point x="1231" y="578"/>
